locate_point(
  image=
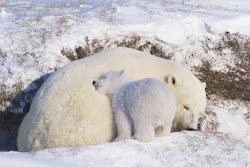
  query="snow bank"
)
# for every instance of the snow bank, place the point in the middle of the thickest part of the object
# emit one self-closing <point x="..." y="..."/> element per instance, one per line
<point x="221" y="121"/>
<point x="25" y="161"/>
<point x="33" y="33"/>
<point x="234" y="25"/>
<point x="178" y="149"/>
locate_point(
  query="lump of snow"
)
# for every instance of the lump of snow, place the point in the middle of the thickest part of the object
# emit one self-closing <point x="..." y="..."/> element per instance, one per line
<point x="4" y="14"/>
<point x="221" y="121"/>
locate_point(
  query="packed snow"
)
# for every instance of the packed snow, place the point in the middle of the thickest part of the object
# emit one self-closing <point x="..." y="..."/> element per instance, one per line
<point x="34" y="32"/>
<point x="178" y="149"/>
<point x="228" y="146"/>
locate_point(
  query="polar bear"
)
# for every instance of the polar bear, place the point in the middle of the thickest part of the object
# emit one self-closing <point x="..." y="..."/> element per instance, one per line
<point x="141" y="107"/>
<point x="67" y="111"/>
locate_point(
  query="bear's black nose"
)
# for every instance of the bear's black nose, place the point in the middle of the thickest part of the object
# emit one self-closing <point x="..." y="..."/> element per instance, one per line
<point x="190" y="129"/>
<point x="94" y="82"/>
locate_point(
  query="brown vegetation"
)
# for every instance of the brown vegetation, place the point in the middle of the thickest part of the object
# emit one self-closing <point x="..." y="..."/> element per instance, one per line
<point x="235" y="83"/>
<point x="132" y="41"/>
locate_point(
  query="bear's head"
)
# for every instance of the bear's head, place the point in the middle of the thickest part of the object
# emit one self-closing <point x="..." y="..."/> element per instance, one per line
<point x="190" y="105"/>
<point x="109" y="82"/>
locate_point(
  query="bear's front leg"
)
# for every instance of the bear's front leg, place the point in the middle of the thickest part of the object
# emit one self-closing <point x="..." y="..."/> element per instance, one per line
<point x="124" y="126"/>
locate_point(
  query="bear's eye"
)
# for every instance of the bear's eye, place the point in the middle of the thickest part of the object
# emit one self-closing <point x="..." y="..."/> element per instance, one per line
<point x="173" y="81"/>
<point x="186" y="107"/>
<point x="104" y="77"/>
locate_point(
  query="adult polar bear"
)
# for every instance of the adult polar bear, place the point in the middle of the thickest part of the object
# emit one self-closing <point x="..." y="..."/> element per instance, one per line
<point x="68" y="111"/>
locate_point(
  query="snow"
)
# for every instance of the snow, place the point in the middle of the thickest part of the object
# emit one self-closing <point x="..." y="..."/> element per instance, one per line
<point x="178" y="149"/>
<point x="33" y="33"/>
<point x="234" y="25"/>
<point x="23" y="161"/>
<point x="229" y="123"/>
<point x="45" y="27"/>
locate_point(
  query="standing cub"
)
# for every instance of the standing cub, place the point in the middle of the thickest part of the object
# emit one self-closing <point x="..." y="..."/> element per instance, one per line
<point x="144" y="108"/>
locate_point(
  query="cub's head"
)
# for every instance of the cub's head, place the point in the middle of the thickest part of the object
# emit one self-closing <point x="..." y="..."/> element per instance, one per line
<point x="109" y="82"/>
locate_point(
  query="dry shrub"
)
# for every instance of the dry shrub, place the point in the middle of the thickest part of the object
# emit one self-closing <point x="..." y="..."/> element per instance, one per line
<point x="233" y="84"/>
<point x="17" y="99"/>
<point x="3" y="3"/>
<point x="131" y="41"/>
<point x="247" y="117"/>
<point x="107" y="13"/>
<point x="16" y="105"/>
<point x="69" y="54"/>
<point x="239" y="44"/>
<point x="209" y="123"/>
<point x="9" y="95"/>
<point x="165" y="2"/>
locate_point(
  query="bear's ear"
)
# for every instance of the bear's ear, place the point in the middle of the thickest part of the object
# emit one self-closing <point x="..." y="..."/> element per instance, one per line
<point x="122" y="72"/>
<point x="171" y="80"/>
<point x="203" y="84"/>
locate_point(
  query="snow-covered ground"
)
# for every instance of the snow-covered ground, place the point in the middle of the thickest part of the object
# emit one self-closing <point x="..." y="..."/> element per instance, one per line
<point x="33" y="34"/>
<point x="178" y="149"/>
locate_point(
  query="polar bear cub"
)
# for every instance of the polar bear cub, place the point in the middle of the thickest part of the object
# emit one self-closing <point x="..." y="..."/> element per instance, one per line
<point x="143" y="109"/>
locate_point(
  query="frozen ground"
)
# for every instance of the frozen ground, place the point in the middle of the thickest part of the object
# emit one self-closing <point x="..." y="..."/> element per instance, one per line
<point x="178" y="149"/>
<point x="33" y="34"/>
<point x="199" y="149"/>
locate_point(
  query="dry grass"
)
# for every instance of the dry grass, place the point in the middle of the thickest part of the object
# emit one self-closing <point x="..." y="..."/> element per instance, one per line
<point x="131" y="41"/>
<point x="19" y="101"/>
<point x="247" y="116"/>
<point x="8" y="95"/>
<point x="228" y="85"/>
<point x="107" y="13"/>
<point x="69" y="54"/>
<point x="3" y="3"/>
<point x="165" y="2"/>
<point x="234" y="84"/>
<point x="209" y="123"/>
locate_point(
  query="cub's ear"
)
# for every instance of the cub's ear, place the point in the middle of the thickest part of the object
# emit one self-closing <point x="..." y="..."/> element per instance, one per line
<point x="203" y="84"/>
<point x="171" y="80"/>
<point x="122" y="72"/>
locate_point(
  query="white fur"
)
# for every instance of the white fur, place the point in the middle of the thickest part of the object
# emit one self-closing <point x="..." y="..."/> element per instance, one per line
<point x="141" y="108"/>
<point x="67" y="111"/>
